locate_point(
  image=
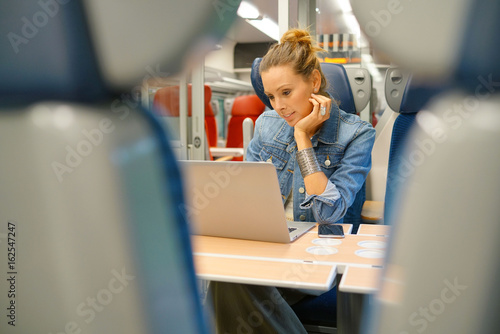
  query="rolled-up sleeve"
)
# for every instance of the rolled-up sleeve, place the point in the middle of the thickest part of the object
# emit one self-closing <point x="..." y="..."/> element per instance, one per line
<point x="324" y="203"/>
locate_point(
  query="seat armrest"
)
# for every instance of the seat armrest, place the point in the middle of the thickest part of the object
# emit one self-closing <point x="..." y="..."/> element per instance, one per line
<point x="223" y="151"/>
<point x="373" y="212"/>
<point x="248" y="128"/>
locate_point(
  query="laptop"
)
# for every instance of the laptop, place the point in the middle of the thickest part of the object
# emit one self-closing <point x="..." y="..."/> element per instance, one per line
<point x="235" y="199"/>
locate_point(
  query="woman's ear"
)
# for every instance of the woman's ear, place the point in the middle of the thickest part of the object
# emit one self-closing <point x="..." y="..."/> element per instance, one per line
<point x="316" y="80"/>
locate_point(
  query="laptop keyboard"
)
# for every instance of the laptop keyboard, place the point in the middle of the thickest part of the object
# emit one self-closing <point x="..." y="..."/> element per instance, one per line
<point x="291" y="229"/>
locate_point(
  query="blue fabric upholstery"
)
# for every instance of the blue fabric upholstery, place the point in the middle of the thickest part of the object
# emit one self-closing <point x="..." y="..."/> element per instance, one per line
<point x="338" y="86"/>
<point x="257" y="83"/>
<point x="395" y="173"/>
<point x="47" y="61"/>
<point x="320" y="310"/>
<point x="414" y="98"/>
<point x="479" y="63"/>
<point x="353" y="214"/>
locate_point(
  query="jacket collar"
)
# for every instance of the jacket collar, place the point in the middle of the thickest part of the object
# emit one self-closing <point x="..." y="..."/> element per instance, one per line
<point x="327" y="134"/>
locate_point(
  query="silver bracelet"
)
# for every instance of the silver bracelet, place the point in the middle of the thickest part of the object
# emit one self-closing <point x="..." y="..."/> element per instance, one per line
<point x="307" y="162"/>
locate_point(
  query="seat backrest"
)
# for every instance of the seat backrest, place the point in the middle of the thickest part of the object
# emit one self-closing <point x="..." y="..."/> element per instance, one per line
<point x="394" y="86"/>
<point x="257" y="84"/>
<point x="166" y="103"/>
<point x="407" y="97"/>
<point x="440" y="276"/>
<point x="91" y="197"/>
<point x="243" y="106"/>
<point x="350" y="88"/>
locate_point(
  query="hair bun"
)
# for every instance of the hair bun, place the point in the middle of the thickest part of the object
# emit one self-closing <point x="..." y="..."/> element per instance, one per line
<point x="297" y="49"/>
<point x="297" y="36"/>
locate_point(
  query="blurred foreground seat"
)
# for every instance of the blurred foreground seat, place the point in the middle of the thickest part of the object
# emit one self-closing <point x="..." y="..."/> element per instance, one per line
<point x="91" y="202"/>
<point x="442" y="266"/>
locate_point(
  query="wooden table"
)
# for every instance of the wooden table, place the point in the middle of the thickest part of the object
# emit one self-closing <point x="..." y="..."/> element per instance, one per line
<point x="371" y="229"/>
<point x="309" y="262"/>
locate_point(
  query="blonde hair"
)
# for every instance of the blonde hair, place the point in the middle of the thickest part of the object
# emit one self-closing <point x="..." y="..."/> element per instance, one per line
<point x="297" y="49"/>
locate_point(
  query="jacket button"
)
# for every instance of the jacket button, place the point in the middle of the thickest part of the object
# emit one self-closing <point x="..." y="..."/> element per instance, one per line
<point x="301" y="190"/>
<point x="270" y="160"/>
<point x="327" y="162"/>
<point x="302" y="217"/>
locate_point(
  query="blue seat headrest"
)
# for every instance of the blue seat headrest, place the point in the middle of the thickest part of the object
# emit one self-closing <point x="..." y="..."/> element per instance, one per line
<point x="257" y="82"/>
<point x="43" y="57"/>
<point x="479" y="68"/>
<point x="405" y="94"/>
<point x="416" y="96"/>
<point x="338" y="85"/>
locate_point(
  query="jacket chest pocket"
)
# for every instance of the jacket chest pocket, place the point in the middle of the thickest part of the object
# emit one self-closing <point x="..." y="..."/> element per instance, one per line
<point x="329" y="159"/>
<point x="273" y="156"/>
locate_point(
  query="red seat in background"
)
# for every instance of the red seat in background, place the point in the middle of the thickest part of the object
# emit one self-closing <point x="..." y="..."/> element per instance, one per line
<point x="244" y="106"/>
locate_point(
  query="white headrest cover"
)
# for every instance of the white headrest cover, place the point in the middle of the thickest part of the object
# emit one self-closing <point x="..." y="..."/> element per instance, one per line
<point x="424" y="36"/>
<point x="134" y="38"/>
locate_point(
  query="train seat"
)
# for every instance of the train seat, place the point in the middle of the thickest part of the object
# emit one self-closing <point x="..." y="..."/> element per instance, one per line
<point x="246" y="106"/>
<point x="373" y="208"/>
<point x="405" y="98"/>
<point x="439" y="276"/>
<point x="414" y="98"/>
<point x="90" y="189"/>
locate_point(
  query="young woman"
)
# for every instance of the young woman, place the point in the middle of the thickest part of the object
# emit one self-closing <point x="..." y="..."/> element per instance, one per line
<point x="322" y="156"/>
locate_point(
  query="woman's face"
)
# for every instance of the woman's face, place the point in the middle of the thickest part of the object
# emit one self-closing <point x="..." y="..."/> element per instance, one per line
<point x="289" y="92"/>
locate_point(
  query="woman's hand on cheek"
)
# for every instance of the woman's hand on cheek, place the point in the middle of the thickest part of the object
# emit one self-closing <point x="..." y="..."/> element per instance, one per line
<point x="311" y="123"/>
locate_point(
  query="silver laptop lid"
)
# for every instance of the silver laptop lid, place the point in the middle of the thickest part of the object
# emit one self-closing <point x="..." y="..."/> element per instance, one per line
<point x="235" y="200"/>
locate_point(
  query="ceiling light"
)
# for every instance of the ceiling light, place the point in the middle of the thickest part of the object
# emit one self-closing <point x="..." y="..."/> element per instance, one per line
<point x="247" y="10"/>
<point x="345" y="5"/>
<point x="352" y="23"/>
<point x="267" y="26"/>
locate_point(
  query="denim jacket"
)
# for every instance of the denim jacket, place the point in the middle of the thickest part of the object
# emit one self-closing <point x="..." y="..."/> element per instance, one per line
<point x="343" y="148"/>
